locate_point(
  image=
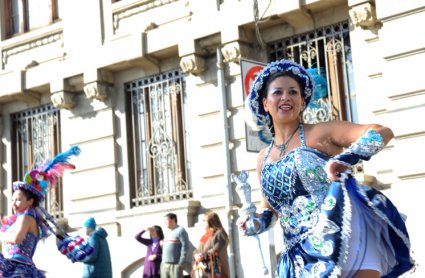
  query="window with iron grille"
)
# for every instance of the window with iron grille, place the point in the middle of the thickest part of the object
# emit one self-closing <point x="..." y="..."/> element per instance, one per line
<point x="35" y="138"/>
<point x="326" y="53"/>
<point x="24" y="15"/>
<point x="157" y="146"/>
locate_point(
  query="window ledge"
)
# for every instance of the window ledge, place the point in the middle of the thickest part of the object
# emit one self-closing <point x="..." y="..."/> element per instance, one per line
<point x="30" y="36"/>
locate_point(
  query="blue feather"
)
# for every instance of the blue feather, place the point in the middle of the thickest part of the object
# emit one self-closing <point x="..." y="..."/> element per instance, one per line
<point x="63" y="157"/>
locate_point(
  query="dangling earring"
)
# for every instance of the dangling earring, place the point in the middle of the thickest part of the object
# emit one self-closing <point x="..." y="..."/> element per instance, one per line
<point x="268" y="119"/>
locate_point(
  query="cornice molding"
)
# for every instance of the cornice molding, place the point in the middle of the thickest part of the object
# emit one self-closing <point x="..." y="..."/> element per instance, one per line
<point x="130" y="11"/>
<point x="27" y="46"/>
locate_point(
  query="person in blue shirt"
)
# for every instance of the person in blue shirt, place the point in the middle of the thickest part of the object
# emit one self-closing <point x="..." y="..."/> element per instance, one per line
<point x="98" y="264"/>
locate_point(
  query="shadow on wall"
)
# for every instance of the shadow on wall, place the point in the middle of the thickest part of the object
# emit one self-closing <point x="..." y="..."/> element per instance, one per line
<point x="134" y="270"/>
<point x="188" y="265"/>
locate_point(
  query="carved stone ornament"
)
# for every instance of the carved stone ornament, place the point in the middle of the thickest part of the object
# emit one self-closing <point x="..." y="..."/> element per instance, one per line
<point x="364" y="15"/>
<point x="31" y="45"/>
<point x="192" y="64"/>
<point x="63" y="100"/>
<point x="97" y="90"/>
<point x="133" y="10"/>
<point x="234" y="51"/>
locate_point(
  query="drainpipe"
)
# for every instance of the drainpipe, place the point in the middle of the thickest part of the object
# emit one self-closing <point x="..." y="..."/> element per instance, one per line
<point x="227" y="172"/>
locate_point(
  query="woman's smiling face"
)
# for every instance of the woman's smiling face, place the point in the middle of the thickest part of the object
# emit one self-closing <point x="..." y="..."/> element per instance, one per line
<point x="20" y="202"/>
<point x="284" y="100"/>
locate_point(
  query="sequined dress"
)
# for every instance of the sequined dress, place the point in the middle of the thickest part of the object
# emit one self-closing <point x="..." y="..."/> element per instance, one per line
<point x="16" y="260"/>
<point x="327" y="226"/>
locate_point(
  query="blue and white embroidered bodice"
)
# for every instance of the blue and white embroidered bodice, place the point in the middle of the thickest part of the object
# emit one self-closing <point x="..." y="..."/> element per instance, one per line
<point x="24" y="251"/>
<point x="296" y="186"/>
<point x="299" y="173"/>
<point x="316" y="217"/>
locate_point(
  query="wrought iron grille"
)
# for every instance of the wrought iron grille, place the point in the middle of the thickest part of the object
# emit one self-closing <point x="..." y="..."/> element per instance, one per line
<point x="159" y="165"/>
<point x="326" y="53"/>
<point x="36" y="137"/>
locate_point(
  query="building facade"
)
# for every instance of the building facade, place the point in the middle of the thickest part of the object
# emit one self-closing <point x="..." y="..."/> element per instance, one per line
<point x="152" y="91"/>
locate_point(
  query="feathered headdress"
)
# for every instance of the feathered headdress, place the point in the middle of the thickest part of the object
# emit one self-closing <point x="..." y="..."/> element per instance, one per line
<point x="37" y="181"/>
<point x="46" y="175"/>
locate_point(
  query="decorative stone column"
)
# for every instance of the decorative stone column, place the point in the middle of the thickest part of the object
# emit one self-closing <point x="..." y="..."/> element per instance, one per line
<point x="193" y="64"/>
<point x="98" y="84"/>
<point x="234" y="51"/>
<point x="364" y="15"/>
<point x="63" y="99"/>
<point x="97" y="90"/>
<point x="62" y="93"/>
<point x="192" y="211"/>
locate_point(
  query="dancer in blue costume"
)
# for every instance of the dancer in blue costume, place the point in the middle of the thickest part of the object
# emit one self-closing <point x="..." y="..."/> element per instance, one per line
<point x="333" y="227"/>
<point x="21" y="232"/>
<point x="21" y="237"/>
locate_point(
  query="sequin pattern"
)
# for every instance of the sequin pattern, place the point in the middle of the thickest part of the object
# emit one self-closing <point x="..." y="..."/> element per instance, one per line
<point x="23" y="251"/>
<point x="295" y="186"/>
<point x="315" y="213"/>
<point x="368" y="145"/>
<point x="18" y="261"/>
<point x="300" y="171"/>
<point x="278" y="182"/>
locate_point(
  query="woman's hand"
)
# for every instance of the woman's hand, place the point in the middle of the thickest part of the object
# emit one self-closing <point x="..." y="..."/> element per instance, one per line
<point x="242" y="223"/>
<point x="152" y="257"/>
<point x="334" y="169"/>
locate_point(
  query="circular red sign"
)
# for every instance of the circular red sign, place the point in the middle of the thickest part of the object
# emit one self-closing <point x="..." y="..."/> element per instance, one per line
<point x="250" y="77"/>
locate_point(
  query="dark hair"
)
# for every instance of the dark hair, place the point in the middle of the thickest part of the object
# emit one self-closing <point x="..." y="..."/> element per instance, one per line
<point x="29" y="195"/>
<point x="280" y="74"/>
<point x="270" y="80"/>
<point x="159" y="232"/>
<point x="214" y="222"/>
<point x="172" y="216"/>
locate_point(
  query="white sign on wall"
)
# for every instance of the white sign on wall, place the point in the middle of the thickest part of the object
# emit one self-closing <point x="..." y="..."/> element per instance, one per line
<point x="249" y="71"/>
